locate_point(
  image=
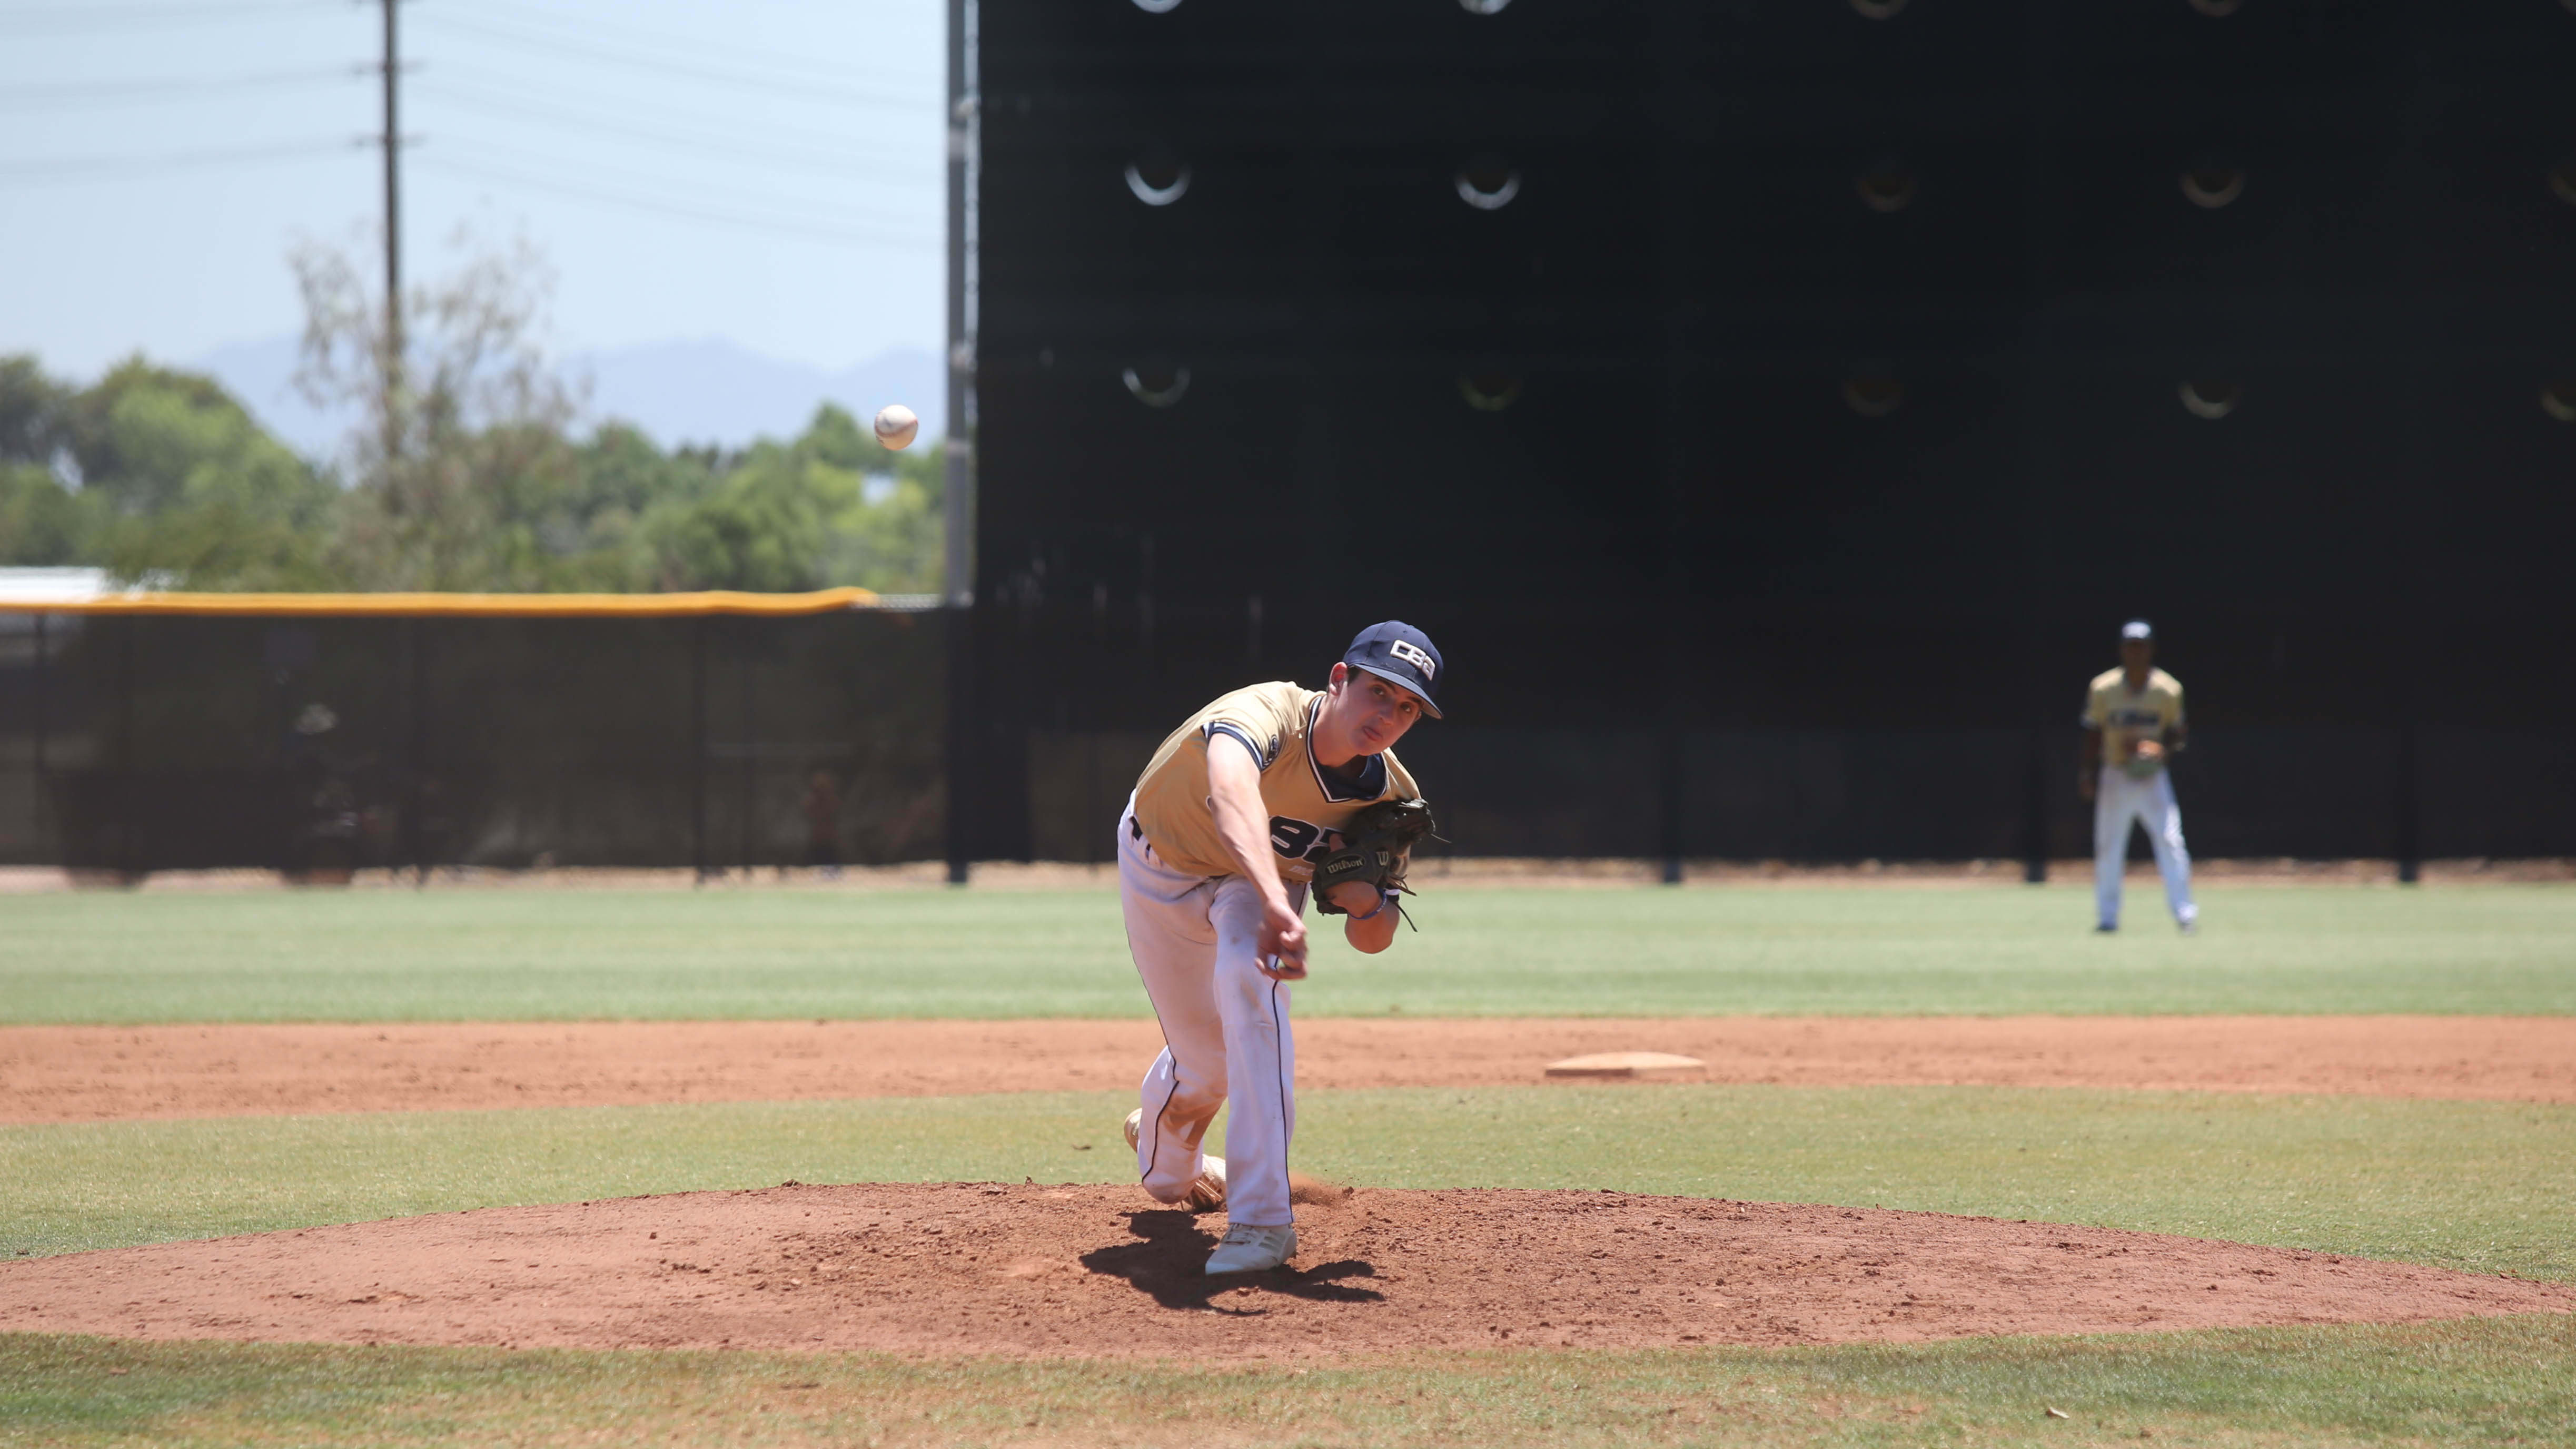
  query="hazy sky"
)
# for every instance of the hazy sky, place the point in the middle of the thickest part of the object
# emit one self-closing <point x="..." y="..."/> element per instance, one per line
<point x="767" y="171"/>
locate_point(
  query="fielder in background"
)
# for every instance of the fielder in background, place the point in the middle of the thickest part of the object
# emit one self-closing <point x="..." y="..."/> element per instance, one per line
<point x="1235" y="816"/>
<point x="2133" y="726"/>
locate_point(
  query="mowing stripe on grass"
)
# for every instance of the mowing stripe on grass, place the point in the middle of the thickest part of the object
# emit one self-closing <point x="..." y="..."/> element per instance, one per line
<point x="2488" y="1187"/>
<point x="463" y="955"/>
<point x="2488" y="1381"/>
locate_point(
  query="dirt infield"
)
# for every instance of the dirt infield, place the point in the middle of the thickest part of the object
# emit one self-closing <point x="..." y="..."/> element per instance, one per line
<point x="1100" y="1272"/>
<point x="86" y="1074"/>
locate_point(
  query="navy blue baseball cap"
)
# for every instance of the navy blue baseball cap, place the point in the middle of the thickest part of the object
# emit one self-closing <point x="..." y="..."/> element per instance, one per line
<point x="1399" y="654"/>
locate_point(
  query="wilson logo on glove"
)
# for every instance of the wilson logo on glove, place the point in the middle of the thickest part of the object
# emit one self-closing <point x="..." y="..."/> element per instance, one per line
<point x="1380" y="841"/>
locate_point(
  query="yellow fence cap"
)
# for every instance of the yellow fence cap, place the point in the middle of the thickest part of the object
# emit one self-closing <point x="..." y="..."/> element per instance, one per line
<point x="497" y="606"/>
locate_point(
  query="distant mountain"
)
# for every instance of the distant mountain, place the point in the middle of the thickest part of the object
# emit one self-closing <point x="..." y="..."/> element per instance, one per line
<point x="715" y="392"/>
<point x="708" y="391"/>
<point x="262" y="376"/>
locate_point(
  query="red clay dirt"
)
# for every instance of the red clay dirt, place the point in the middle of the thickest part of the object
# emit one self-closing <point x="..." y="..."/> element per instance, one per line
<point x="1098" y="1272"/>
<point x="86" y="1074"/>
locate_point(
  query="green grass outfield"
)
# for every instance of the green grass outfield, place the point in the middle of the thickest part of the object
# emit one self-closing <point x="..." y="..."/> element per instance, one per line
<point x="2492" y="1381"/>
<point x="448" y="954"/>
<point x="2485" y="1186"/>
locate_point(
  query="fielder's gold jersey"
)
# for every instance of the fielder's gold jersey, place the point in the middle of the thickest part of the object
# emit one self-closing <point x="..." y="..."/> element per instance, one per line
<point x="2125" y="717"/>
<point x="1307" y="808"/>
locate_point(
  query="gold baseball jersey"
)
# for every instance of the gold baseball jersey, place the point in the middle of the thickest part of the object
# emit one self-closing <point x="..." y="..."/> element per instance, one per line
<point x="1307" y="807"/>
<point x="2125" y="717"/>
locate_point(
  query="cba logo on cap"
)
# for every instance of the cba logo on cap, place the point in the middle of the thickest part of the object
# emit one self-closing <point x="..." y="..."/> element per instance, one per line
<point x="1399" y="654"/>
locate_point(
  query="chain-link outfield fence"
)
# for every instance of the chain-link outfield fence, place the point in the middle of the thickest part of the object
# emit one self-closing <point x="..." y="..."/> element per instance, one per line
<point x="666" y="733"/>
<point x="1823" y="796"/>
<point x="321" y="742"/>
<point x="1816" y="732"/>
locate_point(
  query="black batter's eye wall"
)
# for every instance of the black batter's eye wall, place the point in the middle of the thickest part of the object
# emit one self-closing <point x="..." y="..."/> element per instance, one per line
<point x="1781" y="358"/>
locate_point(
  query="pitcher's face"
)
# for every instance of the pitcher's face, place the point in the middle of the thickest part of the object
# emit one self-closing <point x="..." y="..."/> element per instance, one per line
<point x="1368" y="713"/>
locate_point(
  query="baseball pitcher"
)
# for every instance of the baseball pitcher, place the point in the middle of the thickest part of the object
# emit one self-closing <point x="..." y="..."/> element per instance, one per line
<point x="2133" y="726"/>
<point x="1265" y="793"/>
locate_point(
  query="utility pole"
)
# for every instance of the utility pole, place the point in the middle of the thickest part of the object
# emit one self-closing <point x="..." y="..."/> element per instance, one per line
<point x="393" y="365"/>
<point x="965" y="147"/>
<point x="965" y="158"/>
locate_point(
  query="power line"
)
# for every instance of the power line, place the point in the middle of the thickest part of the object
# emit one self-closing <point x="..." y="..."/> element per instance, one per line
<point x="555" y="186"/>
<point x="102" y="168"/>
<point x="166" y="87"/>
<point x="823" y="159"/>
<point x="817" y="89"/>
<point x="616" y="98"/>
<point x="74" y="19"/>
<point x="801" y="204"/>
<point x="665" y="45"/>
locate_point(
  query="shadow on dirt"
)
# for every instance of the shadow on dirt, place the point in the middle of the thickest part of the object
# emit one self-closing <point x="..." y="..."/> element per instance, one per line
<point x="1169" y="1262"/>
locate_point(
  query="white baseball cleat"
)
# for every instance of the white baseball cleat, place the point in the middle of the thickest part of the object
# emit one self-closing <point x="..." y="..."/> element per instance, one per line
<point x="1207" y="1190"/>
<point x="1248" y="1249"/>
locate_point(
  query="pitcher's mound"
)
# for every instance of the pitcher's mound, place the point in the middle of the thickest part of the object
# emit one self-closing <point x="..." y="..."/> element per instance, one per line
<point x="1096" y="1271"/>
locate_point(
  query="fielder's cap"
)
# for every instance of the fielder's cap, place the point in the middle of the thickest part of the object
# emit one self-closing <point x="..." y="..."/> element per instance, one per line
<point x="2137" y="629"/>
<point x="1399" y="654"/>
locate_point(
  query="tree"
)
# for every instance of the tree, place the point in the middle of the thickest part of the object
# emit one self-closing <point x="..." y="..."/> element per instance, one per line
<point x="894" y="544"/>
<point x="31" y="412"/>
<point x="464" y="474"/>
<point x="832" y="507"/>
<point x="194" y="491"/>
<point x="464" y="447"/>
<point x="155" y="474"/>
<point x="42" y="521"/>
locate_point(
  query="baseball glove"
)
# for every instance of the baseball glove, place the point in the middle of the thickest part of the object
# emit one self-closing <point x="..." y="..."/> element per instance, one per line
<point x="1376" y="847"/>
<point x="2142" y="765"/>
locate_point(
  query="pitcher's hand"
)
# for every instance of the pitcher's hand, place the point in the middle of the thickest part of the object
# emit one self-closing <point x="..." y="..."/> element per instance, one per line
<point x="1356" y="897"/>
<point x="1283" y="941"/>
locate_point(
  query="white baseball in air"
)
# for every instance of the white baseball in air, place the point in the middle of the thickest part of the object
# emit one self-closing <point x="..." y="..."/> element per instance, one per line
<point x="896" y="426"/>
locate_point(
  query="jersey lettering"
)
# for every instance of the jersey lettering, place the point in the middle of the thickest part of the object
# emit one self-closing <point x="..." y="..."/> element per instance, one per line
<point x="1292" y="837"/>
<point x="1300" y="839"/>
<point x="1299" y="808"/>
